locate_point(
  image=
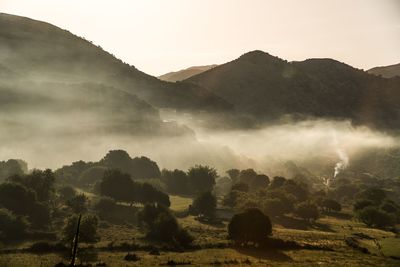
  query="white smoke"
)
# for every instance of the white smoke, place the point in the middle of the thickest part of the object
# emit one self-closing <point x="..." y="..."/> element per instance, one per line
<point x="344" y="158"/>
<point x="343" y="163"/>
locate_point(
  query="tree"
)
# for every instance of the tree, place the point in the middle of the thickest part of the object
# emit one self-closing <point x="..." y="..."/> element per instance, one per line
<point x="12" y="227"/>
<point x="148" y="194"/>
<point x="242" y="187"/>
<point x="66" y="192"/>
<point x="144" y="168"/>
<point x="374" y="194"/>
<point x="374" y="217"/>
<point x="307" y="211"/>
<point x="361" y="204"/>
<point x="12" y="167"/>
<point x="39" y="216"/>
<point x="42" y="182"/>
<point x="249" y="226"/>
<point x="205" y="204"/>
<point x="78" y="203"/>
<point x="260" y="181"/>
<point x="105" y="206"/>
<point x="274" y="207"/>
<point x="233" y="174"/>
<point x="92" y="175"/>
<point x="88" y="229"/>
<point x="17" y="198"/>
<point x="331" y="205"/>
<point x="117" y="185"/>
<point x="296" y="189"/>
<point x="278" y="181"/>
<point x="117" y="159"/>
<point x="246" y="176"/>
<point x="201" y="178"/>
<point x="162" y="225"/>
<point x="176" y="181"/>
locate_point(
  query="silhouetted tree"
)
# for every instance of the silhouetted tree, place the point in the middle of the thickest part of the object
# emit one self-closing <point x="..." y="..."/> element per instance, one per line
<point x="249" y="226"/>
<point x="105" y="206"/>
<point x="78" y="203"/>
<point x="331" y="205"/>
<point x="92" y="175"/>
<point x="274" y="207"/>
<point x="278" y="181"/>
<point x="42" y="182"/>
<point x="66" y="192"/>
<point x="376" y="195"/>
<point x="144" y="168"/>
<point x="307" y="211"/>
<point x="17" y="198"/>
<point x="233" y="174"/>
<point x="176" y="181"/>
<point x="88" y="229"/>
<point x="118" y="186"/>
<point x="201" y="178"/>
<point x="361" y="204"/>
<point x="243" y="187"/>
<point x="12" y="227"/>
<point x="205" y="204"/>
<point x="258" y="182"/>
<point x="374" y="217"/>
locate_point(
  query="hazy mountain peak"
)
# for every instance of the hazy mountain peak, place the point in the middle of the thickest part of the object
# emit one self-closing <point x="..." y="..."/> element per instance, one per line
<point x="185" y="73"/>
<point x="386" y="71"/>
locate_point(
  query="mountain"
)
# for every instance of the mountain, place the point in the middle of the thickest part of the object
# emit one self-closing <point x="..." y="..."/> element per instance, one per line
<point x="39" y="51"/>
<point x="185" y="73"/>
<point x="386" y="71"/>
<point x="267" y="88"/>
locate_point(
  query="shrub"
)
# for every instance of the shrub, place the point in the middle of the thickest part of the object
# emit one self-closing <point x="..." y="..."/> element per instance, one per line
<point x="205" y="204"/>
<point x="250" y="226"/>
<point x="361" y="204"/>
<point x="66" y="192"/>
<point x="374" y="217"/>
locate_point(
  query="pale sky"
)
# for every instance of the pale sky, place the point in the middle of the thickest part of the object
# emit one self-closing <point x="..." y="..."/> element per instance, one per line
<point x="158" y="36"/>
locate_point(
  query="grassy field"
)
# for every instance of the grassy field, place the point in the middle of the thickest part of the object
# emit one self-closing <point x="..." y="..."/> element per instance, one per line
<point x="328" y="234"/>
<point x="331" y="237"/>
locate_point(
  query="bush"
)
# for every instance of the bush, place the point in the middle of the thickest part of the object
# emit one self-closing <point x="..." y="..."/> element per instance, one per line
<point x="250" y="226"/>
<point x="374" y="217"/>
<point x="205" y="204"/>
<point x="88" y="229"/>
<point x="162" y="225"/>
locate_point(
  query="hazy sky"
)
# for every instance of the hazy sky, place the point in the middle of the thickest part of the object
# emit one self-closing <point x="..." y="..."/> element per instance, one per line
<point x="159" y="36"/>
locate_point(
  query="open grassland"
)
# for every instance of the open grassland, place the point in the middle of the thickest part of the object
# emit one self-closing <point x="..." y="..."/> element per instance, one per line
<point x="327" y="236"/>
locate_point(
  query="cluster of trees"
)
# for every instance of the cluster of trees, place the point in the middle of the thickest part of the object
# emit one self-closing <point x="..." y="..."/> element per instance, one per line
<point x="374" y="208"/>
<point x="86" y="174"/>
<point x="197" y="179"/>
<point x="121" y="187"/>
<point x="30" y="196"/>
<point x="12" y="167"/>
<point x="279" y="197"/>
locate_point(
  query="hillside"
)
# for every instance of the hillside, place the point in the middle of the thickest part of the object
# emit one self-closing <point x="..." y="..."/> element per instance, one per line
<point x="386" y="71"/>
<point x="185" y="73"/>
<point x="39" y="51"/>
<point x="267" y="87"/>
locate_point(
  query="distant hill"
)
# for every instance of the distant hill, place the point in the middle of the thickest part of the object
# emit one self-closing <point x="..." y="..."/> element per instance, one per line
<point x="386" y="71"/>
<point x="40" y="51"/>
<point x="267" y="88"/>
<point x="185" y="73"/>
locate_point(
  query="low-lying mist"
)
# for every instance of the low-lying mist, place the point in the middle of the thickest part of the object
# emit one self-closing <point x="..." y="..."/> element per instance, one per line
<point x="317" y="145"/>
